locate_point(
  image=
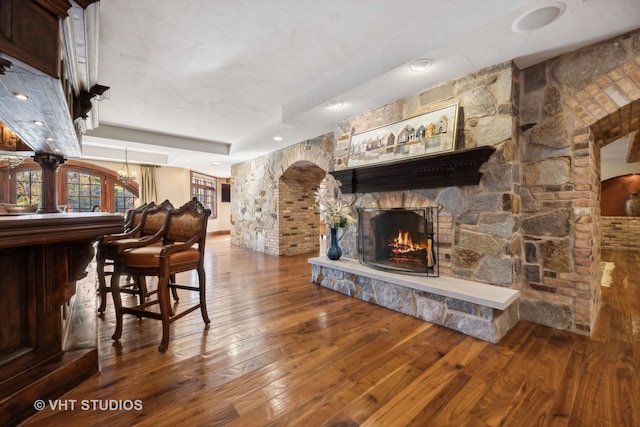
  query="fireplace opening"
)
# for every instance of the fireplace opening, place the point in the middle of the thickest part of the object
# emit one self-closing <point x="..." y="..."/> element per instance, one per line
<point x="402" y="240"/>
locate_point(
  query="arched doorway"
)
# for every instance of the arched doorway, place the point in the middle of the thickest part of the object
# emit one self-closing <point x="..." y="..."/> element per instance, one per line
<point x="596" y="126"/>
<point x="298" y="218"/>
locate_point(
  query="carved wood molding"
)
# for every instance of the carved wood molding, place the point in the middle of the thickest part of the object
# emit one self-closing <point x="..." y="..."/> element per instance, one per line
<point x="57" y="7"/>
<point x="456" y="168"/>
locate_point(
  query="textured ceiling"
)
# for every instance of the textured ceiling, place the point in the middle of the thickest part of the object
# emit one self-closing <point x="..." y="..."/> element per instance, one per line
<point x="205" y="84"/>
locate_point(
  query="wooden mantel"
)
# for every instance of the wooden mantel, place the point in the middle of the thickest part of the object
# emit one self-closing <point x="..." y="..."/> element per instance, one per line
<point x="455" y="168"/>
<point x="42" y="256"/>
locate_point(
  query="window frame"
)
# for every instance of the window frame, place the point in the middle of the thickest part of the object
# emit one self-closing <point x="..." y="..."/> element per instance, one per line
<point x="192" y="186"/>
<point x="108" y="179"/>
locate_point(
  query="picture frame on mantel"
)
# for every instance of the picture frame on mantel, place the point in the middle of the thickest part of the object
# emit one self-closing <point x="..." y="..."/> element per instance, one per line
<point x="429" y="133"/>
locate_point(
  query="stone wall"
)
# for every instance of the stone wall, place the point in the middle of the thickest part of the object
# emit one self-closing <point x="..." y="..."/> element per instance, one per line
<point x="257" y="207"/>
<point x="620" y="233"/>
<point x="570" y="107"/>
<point x="479" y="237"/>
<point x="532" y="223"/>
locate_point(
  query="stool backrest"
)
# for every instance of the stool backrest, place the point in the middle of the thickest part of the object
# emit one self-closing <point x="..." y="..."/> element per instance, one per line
<point x="134" y="216"/>
<point x="188" y="223"/>
<point x="153" y="218"/>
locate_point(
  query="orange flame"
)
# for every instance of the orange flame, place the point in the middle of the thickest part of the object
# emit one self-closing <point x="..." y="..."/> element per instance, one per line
<point x="404" y="239"/>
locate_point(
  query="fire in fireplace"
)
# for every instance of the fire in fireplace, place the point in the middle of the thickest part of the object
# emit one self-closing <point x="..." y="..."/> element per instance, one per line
<point x="402" y="240"/>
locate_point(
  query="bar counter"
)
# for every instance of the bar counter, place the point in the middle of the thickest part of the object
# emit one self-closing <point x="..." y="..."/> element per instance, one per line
<point x="42" y="256"/>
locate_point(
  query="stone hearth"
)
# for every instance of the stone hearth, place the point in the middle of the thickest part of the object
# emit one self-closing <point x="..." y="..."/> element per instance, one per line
<point x="483" y="311"/>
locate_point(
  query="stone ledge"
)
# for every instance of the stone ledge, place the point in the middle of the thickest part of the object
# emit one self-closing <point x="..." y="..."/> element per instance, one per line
<point x="467" y="308"/>
<point x="465" y="290"/>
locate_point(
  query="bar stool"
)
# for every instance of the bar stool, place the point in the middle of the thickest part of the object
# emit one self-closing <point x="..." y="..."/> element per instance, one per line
<point x="144" y="222"/>
<point x="183" y="238"/>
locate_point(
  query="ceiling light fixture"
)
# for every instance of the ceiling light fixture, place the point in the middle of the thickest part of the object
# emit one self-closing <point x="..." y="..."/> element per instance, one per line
<point x="541" y="16"/>
<point x="334" y="105"/>
<point x="124" y="173"/>
<point x="20" y="96"/>
<point x="420" y="65"/>
<point x="38" y="122"/>
<point x="277" y="138"/>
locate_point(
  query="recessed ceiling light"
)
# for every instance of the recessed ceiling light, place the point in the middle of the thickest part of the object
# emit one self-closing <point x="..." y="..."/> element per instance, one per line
<point x="420" y="65"/>
<point x="49" y="138"/>
<point x="538" y="17"/>
<point x="20" y="96"/>
<point x="334" y="105"/>
<point x="277" y="138"/>
<point x="38" y="122"/>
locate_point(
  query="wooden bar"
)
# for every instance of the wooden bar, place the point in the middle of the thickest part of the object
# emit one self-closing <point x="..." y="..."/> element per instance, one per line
<point x="42" y="256"/>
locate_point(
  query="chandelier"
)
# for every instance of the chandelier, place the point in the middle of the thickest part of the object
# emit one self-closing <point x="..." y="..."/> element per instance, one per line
<point x="125" y="175"/>
<point x="10" y="161"/>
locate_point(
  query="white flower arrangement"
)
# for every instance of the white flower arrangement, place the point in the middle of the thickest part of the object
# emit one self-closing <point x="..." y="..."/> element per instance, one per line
<point x="334" y="213"/>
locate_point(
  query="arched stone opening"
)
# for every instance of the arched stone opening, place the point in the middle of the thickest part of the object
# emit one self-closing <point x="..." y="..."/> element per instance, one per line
<point x="298" y="227"/>
<point x="570" y="107"/>
<point x="256" y="208"/>
<point x="605" y="110"/>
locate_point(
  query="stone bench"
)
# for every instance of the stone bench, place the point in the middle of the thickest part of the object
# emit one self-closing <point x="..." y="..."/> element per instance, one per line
<point x="477" y="309"/>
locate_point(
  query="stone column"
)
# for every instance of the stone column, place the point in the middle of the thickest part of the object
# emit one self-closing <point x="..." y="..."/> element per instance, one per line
<point x="49" y="163"/>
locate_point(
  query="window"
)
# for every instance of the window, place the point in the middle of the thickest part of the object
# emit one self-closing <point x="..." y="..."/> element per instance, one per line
<point x="83" y="191"/>
<point x="83" y="187"/>
<point x="124" y="199"/>
<point x="204" y="188"/>
<point x="28" y="187"/>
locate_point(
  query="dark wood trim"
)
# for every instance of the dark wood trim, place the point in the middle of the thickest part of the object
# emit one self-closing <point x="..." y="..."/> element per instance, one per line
<point x="37" y="229"/>
<point x="59" y="8"/>
<point x="456" y="168"/>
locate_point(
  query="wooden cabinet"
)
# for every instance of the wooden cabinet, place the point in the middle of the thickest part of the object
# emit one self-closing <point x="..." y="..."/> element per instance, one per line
<point x="30" y="32"/>
<point x="42" y="256"/>
<point x="48" y="51"/>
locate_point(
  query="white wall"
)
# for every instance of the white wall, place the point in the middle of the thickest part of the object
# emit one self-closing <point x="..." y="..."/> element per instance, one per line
<point x="175" y="184"/>
<point x="613" y="160"/>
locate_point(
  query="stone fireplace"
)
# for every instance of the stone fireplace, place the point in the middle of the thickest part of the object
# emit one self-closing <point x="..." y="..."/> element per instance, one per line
<point x="532" y="222"/>
<point x="402" y="240"/>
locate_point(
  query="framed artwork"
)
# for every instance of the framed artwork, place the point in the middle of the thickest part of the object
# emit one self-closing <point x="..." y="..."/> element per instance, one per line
<point x="429" y="133"/>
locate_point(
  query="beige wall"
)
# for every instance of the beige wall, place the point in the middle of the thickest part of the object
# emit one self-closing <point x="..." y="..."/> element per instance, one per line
<point x="175" y="184"/>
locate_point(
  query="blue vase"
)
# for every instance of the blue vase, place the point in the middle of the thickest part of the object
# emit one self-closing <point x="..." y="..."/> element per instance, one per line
<point x="333" y="251"/>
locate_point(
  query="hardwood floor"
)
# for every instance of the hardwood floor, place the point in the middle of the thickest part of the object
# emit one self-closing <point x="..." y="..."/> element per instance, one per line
<point x="281" y="351"/>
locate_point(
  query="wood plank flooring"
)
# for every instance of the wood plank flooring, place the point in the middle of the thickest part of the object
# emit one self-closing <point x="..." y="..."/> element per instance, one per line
<point x="281" y="351"/>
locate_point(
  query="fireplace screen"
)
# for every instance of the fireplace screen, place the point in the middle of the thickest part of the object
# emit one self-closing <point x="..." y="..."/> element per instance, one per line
<point x="400" y="240"/>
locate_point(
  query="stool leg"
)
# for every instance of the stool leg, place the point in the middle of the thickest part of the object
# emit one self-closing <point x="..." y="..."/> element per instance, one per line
<point x="174" y="291"/>
<point x="117" y="303"/>
<point x="141" y="284"/>
<point x="203" y="300"/>
<point x="165" y="311"/>
<point x="102" y="285"/>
